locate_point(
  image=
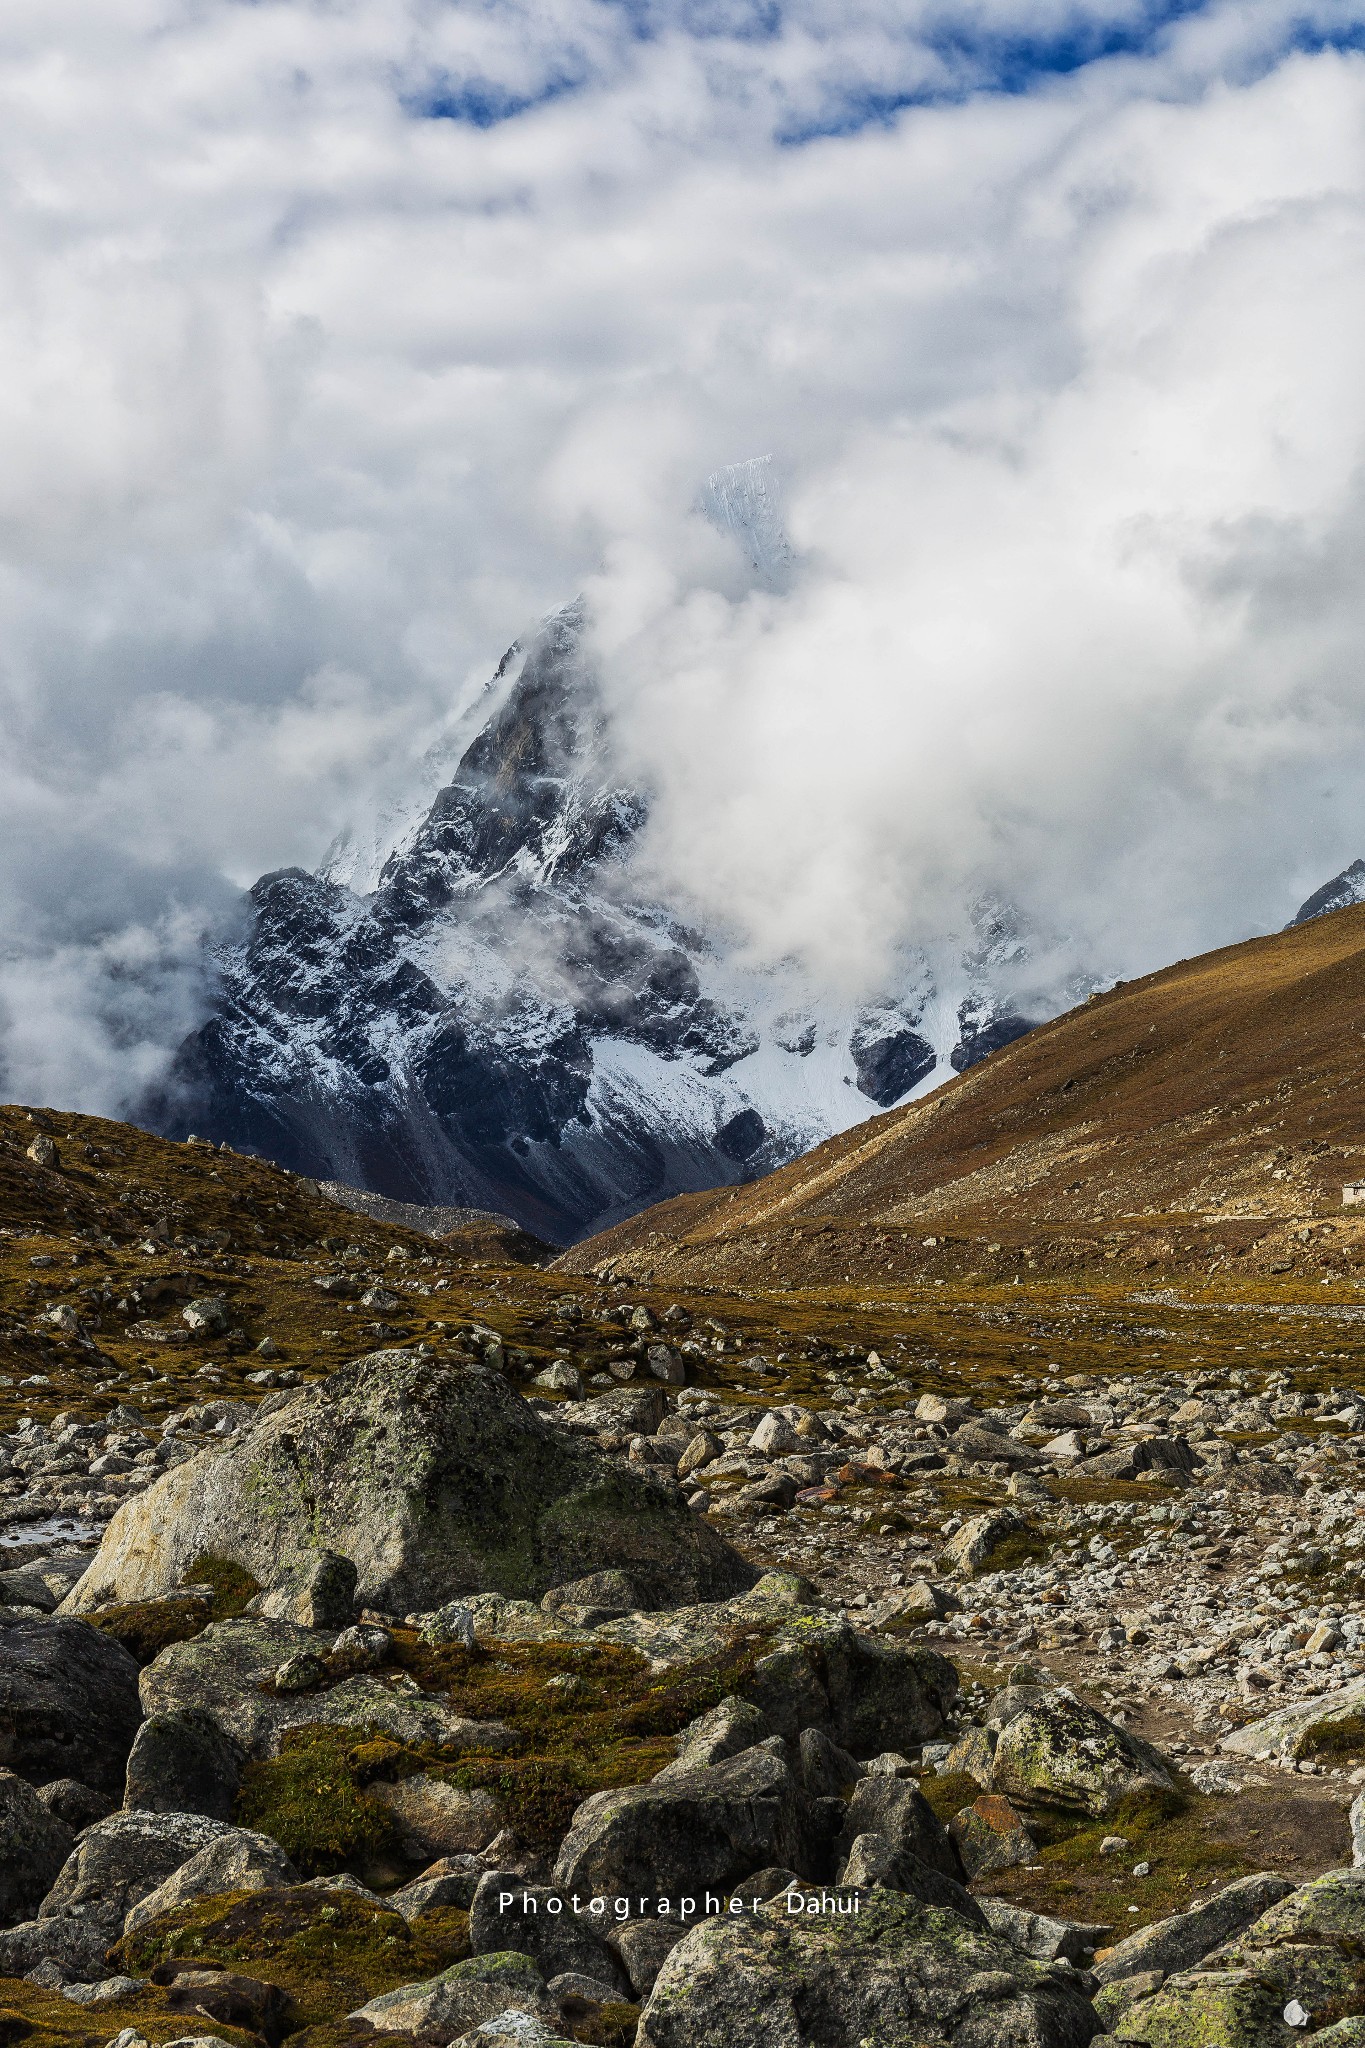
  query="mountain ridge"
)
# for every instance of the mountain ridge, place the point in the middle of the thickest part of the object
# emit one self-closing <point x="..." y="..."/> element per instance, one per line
<point x="1210" y="1110"/>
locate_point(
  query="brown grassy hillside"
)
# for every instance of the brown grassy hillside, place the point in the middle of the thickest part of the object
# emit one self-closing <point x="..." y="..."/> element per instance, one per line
<point x="1202" y="1118"/>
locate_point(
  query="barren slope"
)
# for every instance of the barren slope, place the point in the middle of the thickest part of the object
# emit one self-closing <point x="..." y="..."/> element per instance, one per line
<point x="1207" y="1113"/>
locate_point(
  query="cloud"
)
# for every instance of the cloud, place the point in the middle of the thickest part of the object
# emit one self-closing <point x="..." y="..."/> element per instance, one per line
<point x="338" y="342"/>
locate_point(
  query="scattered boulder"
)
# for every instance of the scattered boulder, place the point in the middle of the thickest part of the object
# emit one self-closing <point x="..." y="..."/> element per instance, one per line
<point x="449" y="1881"/>
<point x="73" y="1947"/>
<point x="68" y="1702"/>
<point x="437" y="1819"/>
<point x="119" y="1860"/>
<point x="1186" y="1938"/>
<point x="507" y="1913"/>
<point x="874" y="1859"/>
<point x="435" y="1477"/>
<point x="643" y="1947"/>
<point x="723" y="1731"/>
<point x="34" y="1845"/>
<point x="234" y="2000"/>
<point x="701" y="1831"/>
<point x="827" y="1771"/>
<point x="1234" y="2008"/>
<point x="239" y="1860"/>
<point x="319" y="1593"/>
<point x="601" y="1596"/>
<point x="1041" y="1936"/>
<point x="1060" y="1753"/>
<point x="461" y="1997"/>
<point x="228" y="1673"/>
<point x="897" y="1971"/>
<point x="990" y="1835"/>
<point x="818" y="1671"/>
<point x="182" y="1762"/>
<point x="898" y="1811"/>
<point x="978" y="1539"/>
<point x="1304" y="1729"/>
<point x="73" y="1803"/>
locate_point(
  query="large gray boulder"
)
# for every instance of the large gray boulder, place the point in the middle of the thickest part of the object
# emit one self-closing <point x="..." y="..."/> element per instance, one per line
<point x="896" y="1972"/>
<point x="684" y="1836"/>
<point x="75" y="1944"/>
<point x="239" y="1860"/>
<point x="1308" y="1728"/>
<point x="440" y="2007"/>
<point x="33" y="1847"/>
<point x="1184" y="1939"/>
<point x="1059" y="1753"/>
<point x="815" y="1671"/>
<point x="898" y="1811"/>
<point x="68" y="1702"/>
<point x="1303" y="1951"/>
<point x="220" y="1675"/>
<point x="118" y="1861"/>
<point x="434" y="1478"/>
<point x="182" y="1762"/>
<point x="507" y="1913"/>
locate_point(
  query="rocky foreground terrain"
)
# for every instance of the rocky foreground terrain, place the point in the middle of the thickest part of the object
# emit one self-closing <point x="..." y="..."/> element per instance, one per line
<point x="401" y="1644"/>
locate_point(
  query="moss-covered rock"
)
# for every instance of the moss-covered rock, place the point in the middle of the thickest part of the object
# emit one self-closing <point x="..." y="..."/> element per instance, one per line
<point x="896" y="1972"/>
<point x="228" y="1673"/>
<point x="1061" y="1754"/>
<point x="1209" y="2009"/>
<point x="434" y="1477"/>
<point x="331" y="1950"/>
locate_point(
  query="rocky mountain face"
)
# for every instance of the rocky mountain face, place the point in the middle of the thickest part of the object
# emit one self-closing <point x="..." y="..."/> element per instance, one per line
<point x="475" y="1007"/>
<point x="1339" y="894"/>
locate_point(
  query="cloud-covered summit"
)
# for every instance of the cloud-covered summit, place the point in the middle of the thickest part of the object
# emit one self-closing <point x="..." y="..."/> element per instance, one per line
<point x="340" y="343"/>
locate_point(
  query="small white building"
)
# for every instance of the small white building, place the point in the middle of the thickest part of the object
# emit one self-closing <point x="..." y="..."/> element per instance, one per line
<point x="1353" y="1194"/>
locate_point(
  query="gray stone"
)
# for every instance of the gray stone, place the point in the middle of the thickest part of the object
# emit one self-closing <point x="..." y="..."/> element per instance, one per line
<point x="221" y="1673"/>
<point x="68" y="1702"/>
<point x="605" y="1594"/>
<point x="1229" y="2008"/>
<point x="1328" y="1908"/>
<point x="1041" y="1936"/>
<point x="73" y="1803"/>
<point x="1297" y="1730"/>
<point x="701" y="1831"/>
<point x="182" y="1762"/>
<point x="874" y="1859"/>
<point x="896" y="1809"/>
<point x="119" y="1860"/>
<point x="437" y="1819"/>
<point x="1061" y="1754"/>
<point x="1357" y="1820"/>
<point x="450" y="1881"/>
<point x="34" y="1845"/>
<point x="461" y="1997"/>
<point x="643" y="1946"/>
<point x="508" y="1913"/>
<point x="75" y="1945"/>
<point x="319" y="1593"/>
<point x="827" y="1771"/>
<point x="897" y="1973"/>
<point x="1184" y="1939"/>
<point x="978" y="1539"/>
<point x="108" y="1991"/>
<point x="451" y="1624"/>
<point x="722" y="1731"/>
<point x="989" y="1835"/>
<point x="434" y="1477"/>
<point x="240" y="1860"/>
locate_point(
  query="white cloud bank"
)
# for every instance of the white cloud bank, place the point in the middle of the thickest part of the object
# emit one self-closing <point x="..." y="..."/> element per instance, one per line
<point x="309" y="401"/>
